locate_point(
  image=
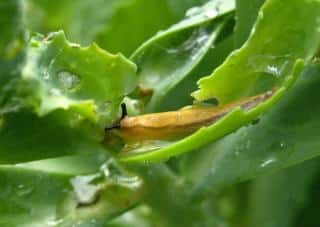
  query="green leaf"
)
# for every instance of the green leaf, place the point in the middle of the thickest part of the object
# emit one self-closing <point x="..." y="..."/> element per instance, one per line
<point x="243" y="80"/>
<point x="25" y="137"/>
<point x="12" y="42"/>
<point x="108" y="20"/>
<point x="269" y="199"/>
<point x="67" y="88"/>
<point x="180" y="95"/>
<point x="44" y="194"/>
<point x="11" y="28"/>
<point x="170" y="56"/>
<point x="156" y="15"/>
<point x="227" y="124"/>
<point x="269" y="54"/>
<point x="65" y="75"/>
<point x="139" y="216"/>
<point x="284" y="136"/>
<point x="246" y="15"/>
<point x="166" y="192"/>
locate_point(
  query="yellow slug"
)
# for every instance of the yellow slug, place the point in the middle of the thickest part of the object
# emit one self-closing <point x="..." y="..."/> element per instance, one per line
<point x="175" y="124"/>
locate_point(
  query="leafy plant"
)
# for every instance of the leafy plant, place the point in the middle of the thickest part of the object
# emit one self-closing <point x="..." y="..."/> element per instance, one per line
<point x="240" y="79"/>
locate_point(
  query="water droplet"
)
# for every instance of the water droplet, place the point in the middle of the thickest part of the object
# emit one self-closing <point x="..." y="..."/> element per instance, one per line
<point x="54" y="222"/>
<point x="268" y="162"/>
<point x="209" y="10"/>
<point x="55" y="92"/>
<point x="68" y="81"/>
<point x="46" y="76"/>
<point x="274" y="65"/>
<point x="115" y="174"/>
<point x="85" y="191"/>
<point x="50" y="36"/>
<point x="210" y="13"/>
<point x="193" y="11"/>
<point x="23" y="190"/>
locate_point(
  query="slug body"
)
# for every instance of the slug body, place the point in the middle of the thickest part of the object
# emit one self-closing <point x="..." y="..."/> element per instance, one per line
<point x="176" y="124"/>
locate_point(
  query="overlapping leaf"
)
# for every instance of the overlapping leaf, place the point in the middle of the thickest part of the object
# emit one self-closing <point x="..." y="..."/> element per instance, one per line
<point x="170" y="56"/>
<point x="62" y="99"/>
<point x="279" y="37"/>
<point x="106" y="22"/>
<point x="55" y="104"/>
<point x="248" y="71"/>
<point x="284" y="136"/>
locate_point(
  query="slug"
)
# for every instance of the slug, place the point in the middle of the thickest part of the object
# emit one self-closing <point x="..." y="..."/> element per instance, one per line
<point x="180" y="123"/>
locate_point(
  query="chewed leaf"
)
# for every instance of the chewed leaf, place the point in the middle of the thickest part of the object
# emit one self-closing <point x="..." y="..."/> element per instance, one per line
<point x="65" y="75"/>
<point x="239" y="115"/>
<point x="285" y="136"/>
<point x="279" y="37"/>
<point x="254" y="69"/>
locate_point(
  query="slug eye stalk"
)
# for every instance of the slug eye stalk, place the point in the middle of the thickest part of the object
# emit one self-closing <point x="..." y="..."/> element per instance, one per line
<point x="124" y="113"/>
<point x="177" y="124"/>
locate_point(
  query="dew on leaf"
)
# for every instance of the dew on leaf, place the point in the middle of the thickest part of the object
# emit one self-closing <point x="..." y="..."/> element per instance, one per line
<point x="209" y="10"/>
<point x="46" y="76"/>
<point x="115" y="174"/>
<point x="55" y="92"/>
<point x="85" y="191"/>
<point x="68" y="81"/>
<point x="268" y="162"/>
<point x="54" y="222"/>
<point x="210" y="13"/>
<point x="50" y="36"/>
<point x="273" y="65"/>
<point x="193" y="11"/>
<point x="23" y="190"/>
